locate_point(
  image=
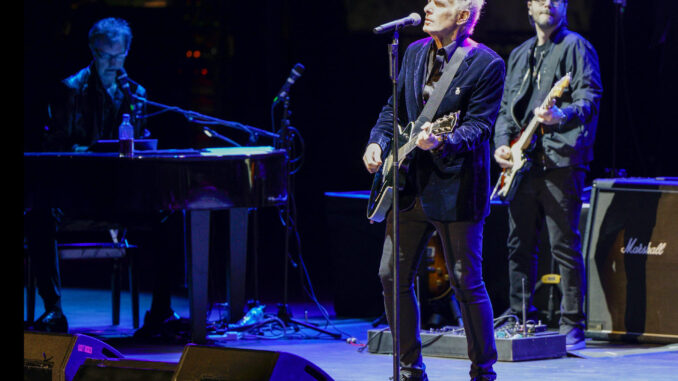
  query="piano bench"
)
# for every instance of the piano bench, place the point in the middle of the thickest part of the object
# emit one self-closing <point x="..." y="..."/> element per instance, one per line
<point x="120" y="256"/>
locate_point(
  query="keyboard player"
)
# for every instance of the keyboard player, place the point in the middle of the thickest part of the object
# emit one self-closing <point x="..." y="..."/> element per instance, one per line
<point x="84" y="108"/>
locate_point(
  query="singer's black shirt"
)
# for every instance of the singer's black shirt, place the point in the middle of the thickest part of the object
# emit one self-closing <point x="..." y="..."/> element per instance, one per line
<point x="437" y="60"/>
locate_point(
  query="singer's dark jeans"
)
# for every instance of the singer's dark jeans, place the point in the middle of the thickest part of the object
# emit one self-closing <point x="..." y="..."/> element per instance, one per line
<point x="462" y="247"/>
<point x="551" y="197"/>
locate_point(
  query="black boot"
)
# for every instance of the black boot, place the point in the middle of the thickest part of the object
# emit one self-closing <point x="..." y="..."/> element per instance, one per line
<point x="52" y="320"/>
<point x="155" y="325"/>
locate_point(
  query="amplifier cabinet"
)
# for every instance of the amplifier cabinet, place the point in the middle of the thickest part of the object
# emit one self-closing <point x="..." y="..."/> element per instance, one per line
<point x="631" y="253"/>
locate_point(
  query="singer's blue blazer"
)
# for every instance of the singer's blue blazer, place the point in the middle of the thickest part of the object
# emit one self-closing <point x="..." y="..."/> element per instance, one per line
<point x="453" y="182"/>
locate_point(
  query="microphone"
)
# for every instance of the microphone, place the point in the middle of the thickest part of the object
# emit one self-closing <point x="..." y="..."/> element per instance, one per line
<point x="411" y="20"/>
<point x="123" y="81"/>
<point x="213" y="134"/>
<point x="296" y="72"/>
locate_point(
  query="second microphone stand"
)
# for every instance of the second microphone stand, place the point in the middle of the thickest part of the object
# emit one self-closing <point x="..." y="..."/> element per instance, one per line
<point x="284" y="141"/>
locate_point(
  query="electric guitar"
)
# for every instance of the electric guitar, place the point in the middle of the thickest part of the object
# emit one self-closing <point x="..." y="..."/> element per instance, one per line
<point x="510" y="178"/>
<point x="438" y="277"/>
<point x="381" y="193"/>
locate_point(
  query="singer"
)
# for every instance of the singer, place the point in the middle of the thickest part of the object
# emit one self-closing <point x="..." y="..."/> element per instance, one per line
<point x="447" y="184"/>
<point x="87" y="107"/>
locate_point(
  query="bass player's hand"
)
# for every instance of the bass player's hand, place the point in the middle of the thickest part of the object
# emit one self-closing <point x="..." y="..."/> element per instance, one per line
<point x="372" y="157"/>
<point x="502" y="156"/>
<point x="550" y="115"/>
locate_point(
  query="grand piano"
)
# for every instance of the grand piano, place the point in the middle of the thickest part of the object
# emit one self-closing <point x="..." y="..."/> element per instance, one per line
<point x="195" y="181"/>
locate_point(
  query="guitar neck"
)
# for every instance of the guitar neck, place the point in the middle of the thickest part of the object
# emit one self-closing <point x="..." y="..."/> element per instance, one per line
<point x="406" y="148"/>
<point x="411" y="144"/>
<point x="445" y="124"/>
<point x="526" y="136"/>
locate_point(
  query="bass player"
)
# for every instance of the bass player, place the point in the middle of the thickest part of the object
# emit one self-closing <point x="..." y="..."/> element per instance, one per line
<point x="550" y="190"/>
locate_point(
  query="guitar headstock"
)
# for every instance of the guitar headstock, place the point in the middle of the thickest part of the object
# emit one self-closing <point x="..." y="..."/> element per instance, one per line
<point x="445" y="124"/>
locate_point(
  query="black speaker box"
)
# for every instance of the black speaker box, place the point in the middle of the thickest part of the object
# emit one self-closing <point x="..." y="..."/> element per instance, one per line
<point x="631" y="251"/>
<point x="125" y="370"/>
<point x="199" y="362"/>
<point x="57" y="357"/>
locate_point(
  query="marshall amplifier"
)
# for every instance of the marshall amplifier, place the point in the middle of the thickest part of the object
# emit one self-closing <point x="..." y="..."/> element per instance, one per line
<point x="631" y="253"/>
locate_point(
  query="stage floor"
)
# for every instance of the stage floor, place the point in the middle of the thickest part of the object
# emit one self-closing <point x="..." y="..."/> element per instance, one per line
<point x="88" y="312"/>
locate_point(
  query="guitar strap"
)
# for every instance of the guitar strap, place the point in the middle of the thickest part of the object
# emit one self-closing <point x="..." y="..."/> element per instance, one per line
<point x="442" y="86"/>
<point x="553" y="58"/>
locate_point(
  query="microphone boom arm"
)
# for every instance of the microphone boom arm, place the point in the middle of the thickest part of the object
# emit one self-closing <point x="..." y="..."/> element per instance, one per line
<point x="196" y="117"/>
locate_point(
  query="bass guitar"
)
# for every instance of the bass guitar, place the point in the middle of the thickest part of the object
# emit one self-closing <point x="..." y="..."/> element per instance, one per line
<point x="381" y="194"/>
<point x="510" y="178"/>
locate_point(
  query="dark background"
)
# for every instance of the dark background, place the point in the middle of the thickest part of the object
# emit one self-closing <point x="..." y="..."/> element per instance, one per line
<point x="248" y="48"/>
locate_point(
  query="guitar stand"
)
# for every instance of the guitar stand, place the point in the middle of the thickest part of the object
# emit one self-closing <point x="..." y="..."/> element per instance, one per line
<point x="551" y="310"/>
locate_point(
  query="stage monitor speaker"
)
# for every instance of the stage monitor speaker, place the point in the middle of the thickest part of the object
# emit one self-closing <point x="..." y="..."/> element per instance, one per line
<point x="57" y="357"/>
<point x="199" y="362"/>
<point x="125" y="370"/>
<point x="631" y="251"/>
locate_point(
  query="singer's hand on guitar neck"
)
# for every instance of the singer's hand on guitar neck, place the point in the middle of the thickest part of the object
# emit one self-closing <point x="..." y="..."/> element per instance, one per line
<point x="502" y="156"/>
<point x="426" y="140"/>
<point x="372" y="157"/>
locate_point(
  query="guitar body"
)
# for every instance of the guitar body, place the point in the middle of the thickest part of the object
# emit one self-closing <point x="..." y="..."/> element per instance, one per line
<point x="381" y="193"/>
<point x="438" y="277"/>
<point x="510" y="178"/>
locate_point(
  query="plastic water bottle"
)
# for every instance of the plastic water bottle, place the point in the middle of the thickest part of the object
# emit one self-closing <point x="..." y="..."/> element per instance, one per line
<point x="126" y="137"/>
<point x="252" y="316"/>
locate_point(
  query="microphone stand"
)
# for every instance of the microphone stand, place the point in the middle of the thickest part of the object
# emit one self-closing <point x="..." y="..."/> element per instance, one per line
<point x="254" y="133"/>
<point x="395" y="211"/>
<point x="619" y="8"/>
<point x="284" y="141"/>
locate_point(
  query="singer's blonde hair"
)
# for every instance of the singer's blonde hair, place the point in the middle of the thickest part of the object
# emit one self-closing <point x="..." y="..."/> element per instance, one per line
<point x="474" y="7"/>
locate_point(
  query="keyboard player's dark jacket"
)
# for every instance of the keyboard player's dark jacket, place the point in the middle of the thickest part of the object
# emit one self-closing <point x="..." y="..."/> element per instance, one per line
<point x="81" y="112"/>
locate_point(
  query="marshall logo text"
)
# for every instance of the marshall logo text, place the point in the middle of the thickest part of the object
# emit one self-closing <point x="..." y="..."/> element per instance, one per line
<point x="633" y="247"/>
